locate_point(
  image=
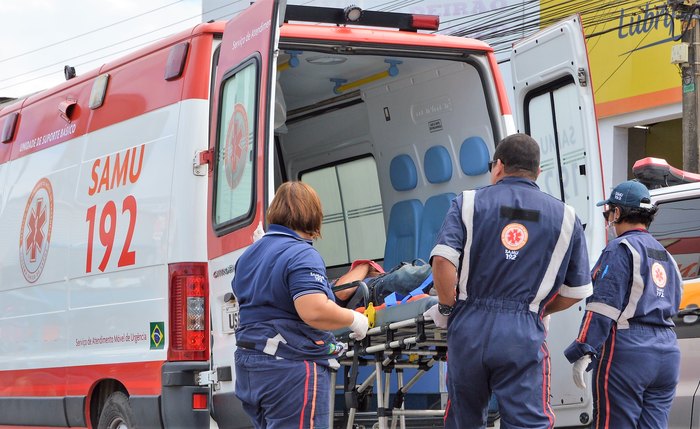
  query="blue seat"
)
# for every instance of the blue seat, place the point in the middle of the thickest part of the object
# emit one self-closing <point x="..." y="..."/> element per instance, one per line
<point x="434" y="213"/>
<point x="437" y="164"/>
<point x="402" y="172"/>
<point x="404" y="217"/>
<point x="402" y="233"/>
<point x="438" y="169"/>
<point x="474" y="156"/>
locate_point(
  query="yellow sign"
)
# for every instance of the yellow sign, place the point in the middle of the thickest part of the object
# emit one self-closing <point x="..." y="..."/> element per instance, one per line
<point x="629" y="49"/>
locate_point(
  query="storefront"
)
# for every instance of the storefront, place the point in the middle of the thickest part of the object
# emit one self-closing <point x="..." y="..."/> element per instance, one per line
<point x="637" y="88"/>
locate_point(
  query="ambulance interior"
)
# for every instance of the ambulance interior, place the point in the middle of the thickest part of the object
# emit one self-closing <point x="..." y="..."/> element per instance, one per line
<point x="387" y="141"/>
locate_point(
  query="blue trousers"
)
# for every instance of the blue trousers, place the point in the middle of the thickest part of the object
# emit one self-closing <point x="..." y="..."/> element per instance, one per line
<point x="497" y="346"/>
<point x="634" y="382"/>
<point x="281" y="393"/>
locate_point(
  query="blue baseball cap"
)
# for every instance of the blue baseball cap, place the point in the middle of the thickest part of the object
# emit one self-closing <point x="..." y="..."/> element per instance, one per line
<point x="629" y="194"/>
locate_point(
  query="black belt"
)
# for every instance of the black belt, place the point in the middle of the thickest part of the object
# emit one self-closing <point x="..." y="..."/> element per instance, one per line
<point x="246" y="345"/>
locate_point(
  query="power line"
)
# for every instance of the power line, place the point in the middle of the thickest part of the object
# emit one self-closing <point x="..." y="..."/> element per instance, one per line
<point x="598" y="87"/>
<point x="499" y="27"/>
<point x="64" y="61"/>
<point x="87" y="33"/>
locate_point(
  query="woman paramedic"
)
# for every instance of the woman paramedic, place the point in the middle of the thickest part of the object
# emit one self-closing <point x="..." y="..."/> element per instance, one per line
<point x="627" y="332"/>
<point x="286" y="310"/>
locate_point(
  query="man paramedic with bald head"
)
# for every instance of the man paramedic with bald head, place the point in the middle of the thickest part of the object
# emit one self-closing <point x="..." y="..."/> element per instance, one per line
<point x="516" y="255"/>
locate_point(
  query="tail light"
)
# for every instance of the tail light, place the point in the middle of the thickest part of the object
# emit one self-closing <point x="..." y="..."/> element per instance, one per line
<point x="189" y="312"/>
<point x="425" y="22"/>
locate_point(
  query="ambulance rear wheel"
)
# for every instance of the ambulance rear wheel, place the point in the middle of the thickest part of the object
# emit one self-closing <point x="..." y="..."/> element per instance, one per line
<point x="117" y="413"/>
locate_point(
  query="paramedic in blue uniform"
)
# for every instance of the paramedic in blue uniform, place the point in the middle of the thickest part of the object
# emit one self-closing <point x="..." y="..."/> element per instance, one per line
<point x="627" y="331"/>
<point x="507" y="256"/>
<point x="284" y="347"/>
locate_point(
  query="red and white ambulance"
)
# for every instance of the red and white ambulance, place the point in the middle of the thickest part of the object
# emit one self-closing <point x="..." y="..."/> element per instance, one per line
<point x="127" y="193"/>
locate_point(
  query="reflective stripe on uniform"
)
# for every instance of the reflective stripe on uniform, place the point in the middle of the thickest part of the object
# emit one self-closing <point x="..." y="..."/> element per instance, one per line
<point x="637" y="288"/>
<point x="468" y="221"/>
<point x="560" y="249"/>
<point x="604" y="309"/>
<point x="273" y="343"/>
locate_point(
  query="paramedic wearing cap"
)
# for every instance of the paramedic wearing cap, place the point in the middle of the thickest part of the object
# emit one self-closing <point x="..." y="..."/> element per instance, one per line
<point x="627" y="331"/>
<point x="286" y="310"/>
<point x="516" y="255"/>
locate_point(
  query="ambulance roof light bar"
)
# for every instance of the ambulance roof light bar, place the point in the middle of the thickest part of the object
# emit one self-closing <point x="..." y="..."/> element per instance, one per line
<point x="355" y="16"/>
<point x="657" y="173"/>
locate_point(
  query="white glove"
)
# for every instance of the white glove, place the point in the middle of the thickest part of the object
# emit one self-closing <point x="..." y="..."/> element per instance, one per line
<point x="580" y="369"/>
<point x="440" y="320"/>
<point x="545" y="322"/>
<point x="258" y="233"/>
<point x="359" y="325"/>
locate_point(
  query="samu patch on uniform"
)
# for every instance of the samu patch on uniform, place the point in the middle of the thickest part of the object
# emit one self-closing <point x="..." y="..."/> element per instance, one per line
<point x="513" y="237"/>
<point x="659" y="277"/>
<point x="318" y="277"/>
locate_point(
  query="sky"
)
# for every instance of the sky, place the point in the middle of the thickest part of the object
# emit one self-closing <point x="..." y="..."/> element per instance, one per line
<point x="39" y="37"/>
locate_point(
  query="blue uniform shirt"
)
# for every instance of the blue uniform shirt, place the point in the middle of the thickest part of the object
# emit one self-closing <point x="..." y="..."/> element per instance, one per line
<point x="512" y="241"/>
<point x="635" y="281"/>
<point x="270" y="275"/>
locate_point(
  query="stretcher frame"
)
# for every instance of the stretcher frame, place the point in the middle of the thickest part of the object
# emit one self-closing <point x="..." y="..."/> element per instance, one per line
<point x="414" y="342"/>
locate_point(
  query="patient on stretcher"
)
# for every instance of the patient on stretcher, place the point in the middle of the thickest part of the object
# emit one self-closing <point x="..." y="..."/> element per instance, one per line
<point x="361" y="270"/>
<point x="404" y="283"/>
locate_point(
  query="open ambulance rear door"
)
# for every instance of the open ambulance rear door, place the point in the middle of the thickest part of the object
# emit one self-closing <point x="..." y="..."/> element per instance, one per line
<point x="238" y="154"/>
<point x="554" y="104"/>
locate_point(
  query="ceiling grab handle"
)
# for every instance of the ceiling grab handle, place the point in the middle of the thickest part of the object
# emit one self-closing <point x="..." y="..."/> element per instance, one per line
<point x="341" y="86"/>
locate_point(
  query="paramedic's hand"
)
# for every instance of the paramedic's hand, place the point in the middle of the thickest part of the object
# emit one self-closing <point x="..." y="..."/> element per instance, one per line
<point x="440" y="320"/>
<point x="359" y="325"/>
<point x="580" y="369"/>
<point x="258" y="233"/>
<point x="545" y="322"/>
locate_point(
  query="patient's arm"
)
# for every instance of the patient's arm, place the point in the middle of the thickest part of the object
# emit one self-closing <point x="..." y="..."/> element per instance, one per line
<point x="360" y="272"/>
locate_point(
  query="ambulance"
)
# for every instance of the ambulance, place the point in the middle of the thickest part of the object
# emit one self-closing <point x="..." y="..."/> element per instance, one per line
<point x="128" y="192"/>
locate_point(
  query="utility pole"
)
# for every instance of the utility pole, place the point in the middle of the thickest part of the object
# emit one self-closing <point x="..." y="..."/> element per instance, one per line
<point x="689" y="11"/>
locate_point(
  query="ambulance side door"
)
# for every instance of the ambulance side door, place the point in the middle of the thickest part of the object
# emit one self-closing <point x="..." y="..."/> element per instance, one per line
<point x="239" y="135"/>
<point x="554" y="104"/>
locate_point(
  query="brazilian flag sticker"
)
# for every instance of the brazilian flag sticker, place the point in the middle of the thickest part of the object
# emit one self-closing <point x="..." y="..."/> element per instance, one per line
<point x="157" y="335"/>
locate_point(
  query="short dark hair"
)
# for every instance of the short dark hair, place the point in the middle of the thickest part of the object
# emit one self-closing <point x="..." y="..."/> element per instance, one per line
<point x="635" y="214"/>
<point x="296" y="205"/>
<point x="520" y="155"/>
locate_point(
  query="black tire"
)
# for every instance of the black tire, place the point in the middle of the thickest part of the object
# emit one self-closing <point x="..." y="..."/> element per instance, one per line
<point x="116" y="414"/>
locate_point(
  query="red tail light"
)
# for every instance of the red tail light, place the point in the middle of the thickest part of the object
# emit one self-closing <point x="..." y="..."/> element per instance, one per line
<point x="425" y="22"/>
<point x="189" y="312"/>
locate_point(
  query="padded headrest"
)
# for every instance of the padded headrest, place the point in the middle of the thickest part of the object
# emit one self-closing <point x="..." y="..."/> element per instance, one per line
<point x="474" y="156"/>
<point x="402" y="172"/>
<point x="437" y="164"/>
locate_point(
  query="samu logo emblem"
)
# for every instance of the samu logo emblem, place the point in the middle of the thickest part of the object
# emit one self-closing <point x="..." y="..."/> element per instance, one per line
<point x="514" y="236"/>
<point x="35" y="233"/>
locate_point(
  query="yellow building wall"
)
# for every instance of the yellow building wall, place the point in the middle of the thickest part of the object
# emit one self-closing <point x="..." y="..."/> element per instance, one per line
<point x="629" y="48"/>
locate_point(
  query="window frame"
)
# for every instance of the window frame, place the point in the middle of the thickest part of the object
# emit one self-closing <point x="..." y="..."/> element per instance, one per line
<point x="335" y="164"/>
<point x="230" y="225"/>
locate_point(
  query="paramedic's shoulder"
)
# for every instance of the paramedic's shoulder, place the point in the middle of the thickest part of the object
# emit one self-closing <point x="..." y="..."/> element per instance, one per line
<point x="306" y="272"/>
<point x="577" y="279"/>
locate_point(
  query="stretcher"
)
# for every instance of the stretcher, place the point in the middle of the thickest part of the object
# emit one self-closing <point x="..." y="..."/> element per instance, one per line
<point x="399" y="337"/>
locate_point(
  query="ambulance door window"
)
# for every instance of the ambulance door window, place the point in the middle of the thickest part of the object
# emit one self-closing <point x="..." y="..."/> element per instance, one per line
<point x="353" y="221"/>
<point x="677" y="227"/>
<point x="554" y="120"/>
<point x="235" y="148"/>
